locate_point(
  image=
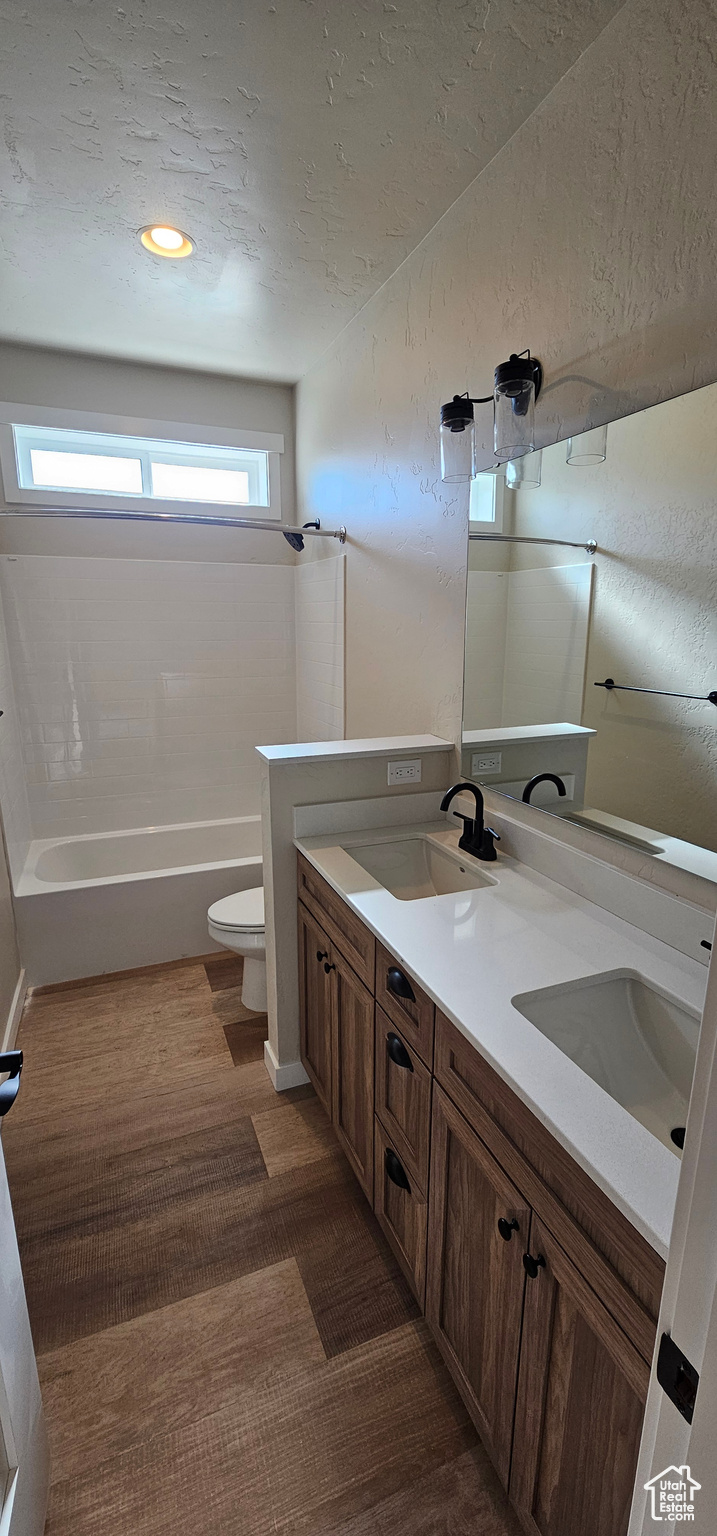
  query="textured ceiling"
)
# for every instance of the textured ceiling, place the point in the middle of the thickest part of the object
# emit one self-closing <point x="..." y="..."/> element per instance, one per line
<point x="306" y="146"/>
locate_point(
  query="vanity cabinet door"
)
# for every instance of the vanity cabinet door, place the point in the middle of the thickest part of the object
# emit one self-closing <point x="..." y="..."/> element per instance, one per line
<point x="352" y="1069"/>
<point x="581" y="1396"/>
<point x="478" y="1231"/>
<point x="315" y="1004"/>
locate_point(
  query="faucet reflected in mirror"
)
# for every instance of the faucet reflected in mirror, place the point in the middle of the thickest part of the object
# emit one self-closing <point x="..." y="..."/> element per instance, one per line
<point x="548" y="617"/>
<point x="544" y="778"/>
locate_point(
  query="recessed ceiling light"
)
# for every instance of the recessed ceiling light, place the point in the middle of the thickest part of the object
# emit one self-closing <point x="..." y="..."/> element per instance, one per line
<point x="163" y="240"/>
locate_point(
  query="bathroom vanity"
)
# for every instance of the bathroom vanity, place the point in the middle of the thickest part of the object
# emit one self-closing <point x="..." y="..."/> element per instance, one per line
<point x="529" y="1210"/>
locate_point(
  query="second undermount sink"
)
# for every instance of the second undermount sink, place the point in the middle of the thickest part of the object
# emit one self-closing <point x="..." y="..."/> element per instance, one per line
<point x="632" y="1039"/>
<point x="412" y="868"/>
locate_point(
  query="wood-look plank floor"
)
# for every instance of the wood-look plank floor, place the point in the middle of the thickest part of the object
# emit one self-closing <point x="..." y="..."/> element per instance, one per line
<point x="225" y="1343"/>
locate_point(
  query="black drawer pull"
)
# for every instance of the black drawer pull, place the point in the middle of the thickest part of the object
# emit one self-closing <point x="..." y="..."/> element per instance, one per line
<point x="322" y="954"/>
<point x="399" y="984"/>
<point x="328" y="967"/>
<point x="395" y="1170"/>
<point x="398" y="1053"/>
<point x="507" y="1228"/>
<point x="10" y="1061"/>
<point x="531" y="1265"/>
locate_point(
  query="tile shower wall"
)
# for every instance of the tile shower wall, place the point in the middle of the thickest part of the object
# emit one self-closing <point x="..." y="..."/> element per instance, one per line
<point x="526" y="644"/>
<point x="143" y="686"/>
<point x="319" y="601"/>
<point x="546" y="643"/>
<point x="13" y="792"/>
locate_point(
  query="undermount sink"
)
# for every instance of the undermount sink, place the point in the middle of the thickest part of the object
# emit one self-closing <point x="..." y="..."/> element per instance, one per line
<point x="412" y="868"/>
<point x="632" y="1039"/>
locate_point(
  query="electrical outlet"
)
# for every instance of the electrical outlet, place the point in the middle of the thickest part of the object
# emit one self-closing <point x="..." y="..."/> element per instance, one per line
<point x="486" y="762"/>
<point x="407" y="772"/>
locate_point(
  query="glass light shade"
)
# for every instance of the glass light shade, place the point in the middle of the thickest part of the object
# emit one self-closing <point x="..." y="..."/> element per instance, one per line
<point x="524" y="473"/>
<point x="458" y="451"/>
<point x="514" y="420"/>
<point x="588" y="448"/>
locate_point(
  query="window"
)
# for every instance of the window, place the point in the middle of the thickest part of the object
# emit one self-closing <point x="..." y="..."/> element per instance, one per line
<point x="73" y="459"/>
<point x="57" y="460"/>
<point x="486" y="501"/>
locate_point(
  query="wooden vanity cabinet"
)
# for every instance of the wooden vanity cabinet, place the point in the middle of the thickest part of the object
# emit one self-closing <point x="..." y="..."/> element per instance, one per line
<point x="476" y="1279"/>
<point x="403" y="1097"/>
<point x="352" y="1069"/>
<point x="407" y="1005"/>
<point x="336" y="1011"/>
<point x="402" y="1210"/>
<point x="542" y="1297"/>
<point x="581" y="1398"/>
<point x="315" y="1004"/>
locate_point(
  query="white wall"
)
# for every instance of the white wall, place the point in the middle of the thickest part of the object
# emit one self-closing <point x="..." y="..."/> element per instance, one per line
<point x="573" y="241"/>
<point x="143" y="686"/>
<point x="319" y="610"/>
<point x="33" y="376"/>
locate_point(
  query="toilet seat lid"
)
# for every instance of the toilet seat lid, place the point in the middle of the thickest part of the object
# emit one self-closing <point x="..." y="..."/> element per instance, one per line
<point x="245" y="909"/>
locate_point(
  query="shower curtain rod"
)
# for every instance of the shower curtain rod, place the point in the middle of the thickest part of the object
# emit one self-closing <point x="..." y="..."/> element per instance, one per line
<point x="590" y="545"/>
<point x="264" y="525"/>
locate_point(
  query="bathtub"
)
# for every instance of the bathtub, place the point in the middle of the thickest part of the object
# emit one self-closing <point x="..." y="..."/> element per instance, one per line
<point x="112" y="901"/>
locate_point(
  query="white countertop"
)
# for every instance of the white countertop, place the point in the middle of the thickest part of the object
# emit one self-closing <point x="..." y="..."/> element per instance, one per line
<point x="370" y="746"/>
<point x="475" y="950"/>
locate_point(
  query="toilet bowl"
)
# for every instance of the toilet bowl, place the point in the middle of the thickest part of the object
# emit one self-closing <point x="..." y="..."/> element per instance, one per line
<point x="237" y="922"/>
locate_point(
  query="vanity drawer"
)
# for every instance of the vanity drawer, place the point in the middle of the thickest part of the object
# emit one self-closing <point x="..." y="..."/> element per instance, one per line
<point x="623" y="1268"/>
<point x="406" y="1005"/>
<point x="403" y="1098"/>
<point x="346" y="931"/>
<point x="402" y="1211"/>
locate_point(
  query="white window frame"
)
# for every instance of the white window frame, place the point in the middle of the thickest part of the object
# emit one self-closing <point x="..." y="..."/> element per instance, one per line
<point x="495" y="525"/>
<point x="271" y="443"/>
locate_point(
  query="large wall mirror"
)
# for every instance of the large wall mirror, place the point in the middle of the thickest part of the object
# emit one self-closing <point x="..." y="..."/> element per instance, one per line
<point x="551" y="620"/>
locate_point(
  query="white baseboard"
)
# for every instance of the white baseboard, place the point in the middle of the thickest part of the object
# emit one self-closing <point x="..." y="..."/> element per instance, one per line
<point x="12" y="1023"/>
<point x="290" y="1075"/>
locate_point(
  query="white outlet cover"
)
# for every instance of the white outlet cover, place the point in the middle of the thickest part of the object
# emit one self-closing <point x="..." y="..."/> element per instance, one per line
<point x="406" y="772"/>
<point x="486" y="762"/>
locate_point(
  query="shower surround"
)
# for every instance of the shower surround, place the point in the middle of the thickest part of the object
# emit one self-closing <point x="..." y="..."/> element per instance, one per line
<point x="135" y="691"/>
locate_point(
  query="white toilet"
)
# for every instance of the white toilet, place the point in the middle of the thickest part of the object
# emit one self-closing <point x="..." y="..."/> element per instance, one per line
<point x="237" y="922"/>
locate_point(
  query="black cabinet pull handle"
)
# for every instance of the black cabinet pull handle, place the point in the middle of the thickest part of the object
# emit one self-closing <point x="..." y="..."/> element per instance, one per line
<point x="398" y="1053"/>
<point x="10" y="1061"/>
<point x="531" y="1265"/>
<point x="322" y="954"/>
<point x="328" y="967"/>
<point x="507" y="1228"/>
<point x="395" y="1170"/>
<point x="399" y="984"/>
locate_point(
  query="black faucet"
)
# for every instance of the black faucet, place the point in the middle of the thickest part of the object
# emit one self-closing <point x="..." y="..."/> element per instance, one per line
<point x="476" y="838"/>
<point x="540" y="778"/>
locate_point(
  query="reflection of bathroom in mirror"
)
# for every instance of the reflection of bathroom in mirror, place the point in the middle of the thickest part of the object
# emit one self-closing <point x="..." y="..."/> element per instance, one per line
<point x="548" y="623"/>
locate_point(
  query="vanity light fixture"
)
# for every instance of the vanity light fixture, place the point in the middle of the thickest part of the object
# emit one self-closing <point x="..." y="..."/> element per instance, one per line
<point x="516" y="389"/>
<point x="589" y="448"/>
<point x="164" y="240"/>
<point x="524" y="473"/>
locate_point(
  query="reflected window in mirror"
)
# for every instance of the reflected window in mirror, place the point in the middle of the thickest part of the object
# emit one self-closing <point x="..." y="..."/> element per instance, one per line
<point x="486" y="504"/>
